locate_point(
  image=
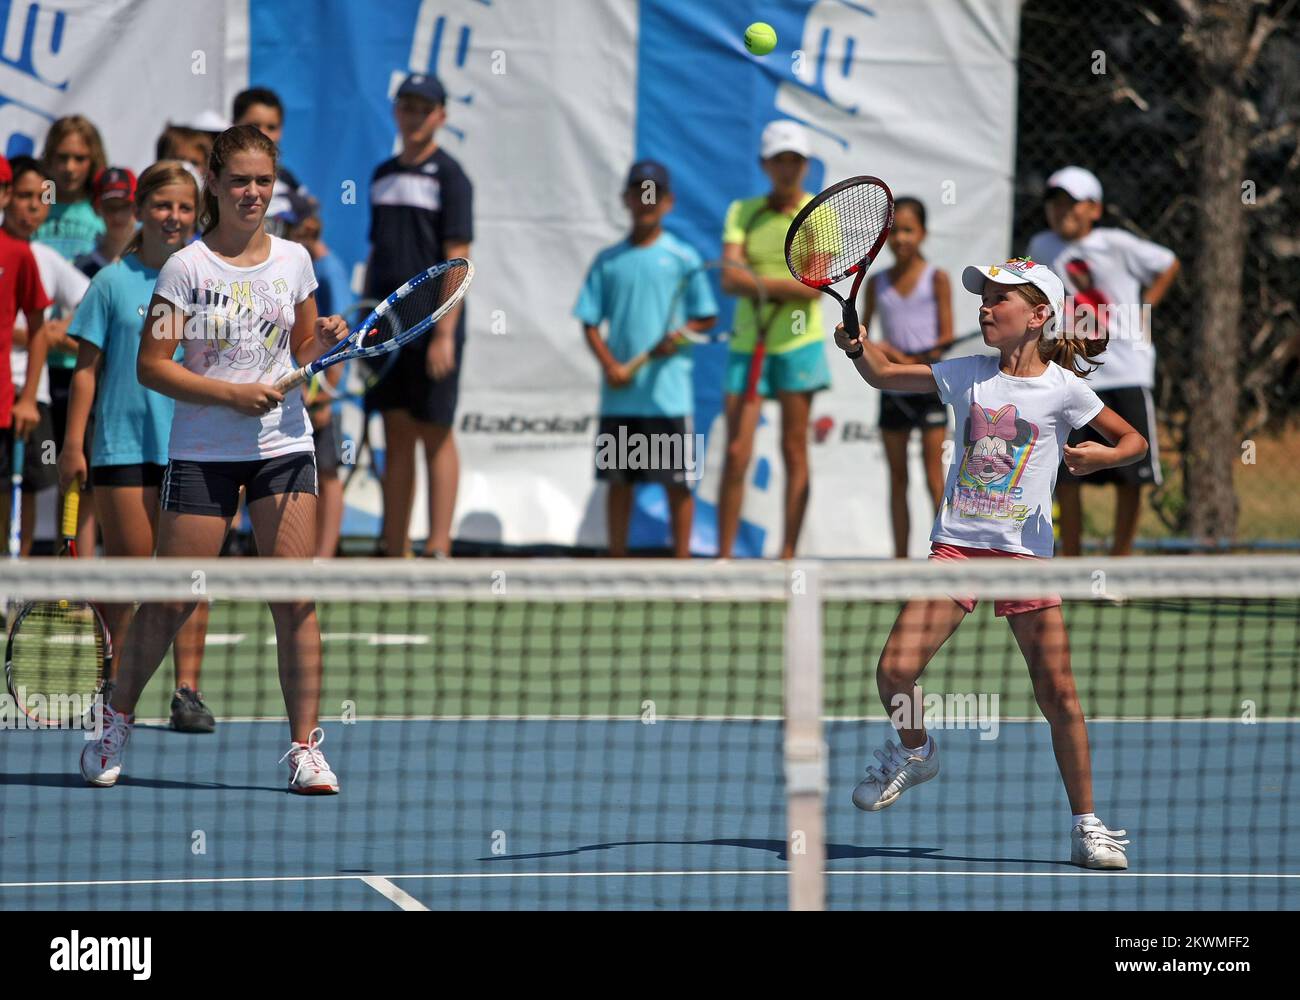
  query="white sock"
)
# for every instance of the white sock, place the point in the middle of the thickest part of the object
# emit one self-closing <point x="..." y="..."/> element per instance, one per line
<point x="923" y="751"/>
<point x="1078" y="818"/>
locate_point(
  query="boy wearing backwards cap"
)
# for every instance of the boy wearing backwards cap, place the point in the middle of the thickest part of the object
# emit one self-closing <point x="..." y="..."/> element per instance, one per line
<point x="1105" y="270"/>
<point x="420" y="215"/>
<point x="632" y="285"/>
<point x="1014" y="412"/>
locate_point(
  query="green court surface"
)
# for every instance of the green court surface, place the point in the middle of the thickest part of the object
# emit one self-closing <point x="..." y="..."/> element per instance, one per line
<point x="1187" y="659"/>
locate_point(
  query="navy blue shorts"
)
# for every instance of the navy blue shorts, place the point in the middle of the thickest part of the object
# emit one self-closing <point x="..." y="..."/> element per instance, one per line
<point x="648" y="450"/>
<point x="904" y="411"/>
<point x="407" y="386"/>
<point x="1134" y="404"/>
<point x="139" y="474"/>
<point x="212" y="488"/>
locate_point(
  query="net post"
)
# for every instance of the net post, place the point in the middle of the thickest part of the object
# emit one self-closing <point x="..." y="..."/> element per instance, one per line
<point x="804" y="750"/>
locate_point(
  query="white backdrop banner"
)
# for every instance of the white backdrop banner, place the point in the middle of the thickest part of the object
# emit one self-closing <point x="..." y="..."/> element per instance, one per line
<point x="549" y="104"/>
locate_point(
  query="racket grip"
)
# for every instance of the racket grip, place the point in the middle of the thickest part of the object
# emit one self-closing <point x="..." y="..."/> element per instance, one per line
<point x="293" y="379"/>
<point x="851" y="322"/>
<point x="71" y="507"/>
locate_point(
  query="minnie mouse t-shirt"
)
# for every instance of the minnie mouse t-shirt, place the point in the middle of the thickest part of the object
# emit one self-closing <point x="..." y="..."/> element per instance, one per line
<point x="1011" y="432"/>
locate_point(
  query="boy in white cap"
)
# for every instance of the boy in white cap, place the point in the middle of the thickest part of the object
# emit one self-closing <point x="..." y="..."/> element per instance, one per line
<point x="1106" y="270"/>
<point x="1014" y="412"/>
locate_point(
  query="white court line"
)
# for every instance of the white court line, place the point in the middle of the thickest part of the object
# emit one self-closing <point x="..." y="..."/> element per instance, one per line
<point x="234" y="879"/>
<point x="369" y="638"/>
<point x="1078" y="874"/>
<point x="1164" y="720"/>
<point x="642" y="874"/>
<point x="224" y="638"/>
<point x="393" y="894"/>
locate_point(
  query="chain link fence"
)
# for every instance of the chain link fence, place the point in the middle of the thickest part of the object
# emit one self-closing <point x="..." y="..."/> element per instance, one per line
<point x="1121" y="88"/>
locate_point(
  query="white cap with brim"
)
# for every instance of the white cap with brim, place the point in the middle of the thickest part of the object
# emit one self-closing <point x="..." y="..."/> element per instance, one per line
<point x="204" y="121"/>
<point x="1021" y="271"/>
<point x="785" y="136"/>
<point x="1079" y="184"/>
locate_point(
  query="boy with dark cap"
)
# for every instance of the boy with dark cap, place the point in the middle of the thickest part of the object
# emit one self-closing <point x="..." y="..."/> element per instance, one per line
<point x="420" y="215"/>
<point x="633" y="285"/>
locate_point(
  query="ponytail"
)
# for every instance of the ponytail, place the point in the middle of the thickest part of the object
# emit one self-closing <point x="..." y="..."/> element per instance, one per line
<point x="237" y="139"/>
<point x="1065" y="347"/>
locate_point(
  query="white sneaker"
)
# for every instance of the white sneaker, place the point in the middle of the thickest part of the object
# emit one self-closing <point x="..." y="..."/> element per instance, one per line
<point x="310" y="774"/>
<point x="899" y="769"/>
<point x="1093" y="846"/>
<point x="101" y="761"/>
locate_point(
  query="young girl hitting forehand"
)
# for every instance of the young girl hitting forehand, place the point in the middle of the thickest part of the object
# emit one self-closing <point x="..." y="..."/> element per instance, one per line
<point x="1014" y="413"/>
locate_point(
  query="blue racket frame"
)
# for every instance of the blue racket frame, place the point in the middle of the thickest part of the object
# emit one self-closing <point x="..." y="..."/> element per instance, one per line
<point x="350" y="348"/>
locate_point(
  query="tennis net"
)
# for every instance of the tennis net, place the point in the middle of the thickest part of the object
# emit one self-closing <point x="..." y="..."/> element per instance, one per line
<point x="614" y="735"/>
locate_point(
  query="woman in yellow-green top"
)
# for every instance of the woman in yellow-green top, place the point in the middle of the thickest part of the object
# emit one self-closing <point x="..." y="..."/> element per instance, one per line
<point x="795" y="364"/>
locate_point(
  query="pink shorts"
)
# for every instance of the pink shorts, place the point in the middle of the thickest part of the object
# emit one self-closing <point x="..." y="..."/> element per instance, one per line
<point x="942" y="550"/>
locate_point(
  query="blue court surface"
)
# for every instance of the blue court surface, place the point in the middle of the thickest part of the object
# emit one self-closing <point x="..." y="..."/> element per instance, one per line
<point x="614" y="814"/>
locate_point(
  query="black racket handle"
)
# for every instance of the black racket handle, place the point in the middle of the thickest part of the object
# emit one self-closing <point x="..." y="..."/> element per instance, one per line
<point x="851" y="318"/>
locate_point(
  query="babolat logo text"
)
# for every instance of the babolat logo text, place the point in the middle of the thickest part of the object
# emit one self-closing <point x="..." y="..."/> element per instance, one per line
<point x="489" y="423"/>
<point x="102" y="954"/>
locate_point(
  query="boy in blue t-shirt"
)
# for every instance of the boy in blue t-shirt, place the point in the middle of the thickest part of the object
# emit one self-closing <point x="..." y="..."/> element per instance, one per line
<point x="646" y="433"/>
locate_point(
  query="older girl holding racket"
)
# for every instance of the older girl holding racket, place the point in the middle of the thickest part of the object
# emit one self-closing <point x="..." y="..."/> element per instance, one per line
<point x="781" y="354"/>
<point x="240" y="302"/>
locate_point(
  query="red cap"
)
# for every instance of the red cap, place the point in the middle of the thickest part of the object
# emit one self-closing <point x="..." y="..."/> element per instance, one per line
<point x="6" y="172"/>
<point x="114" y="182"/>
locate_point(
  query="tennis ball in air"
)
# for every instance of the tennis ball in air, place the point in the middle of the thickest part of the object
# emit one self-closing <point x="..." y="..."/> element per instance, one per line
<point x="760" y="38"/>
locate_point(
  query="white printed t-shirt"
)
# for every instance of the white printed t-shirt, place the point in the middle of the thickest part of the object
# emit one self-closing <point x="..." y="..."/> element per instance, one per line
<point x="1012" y="432"/>
<point x="238" y="322"/>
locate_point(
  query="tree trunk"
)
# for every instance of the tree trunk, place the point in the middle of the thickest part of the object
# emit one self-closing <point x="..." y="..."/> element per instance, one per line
<point x="1213" y="446"/>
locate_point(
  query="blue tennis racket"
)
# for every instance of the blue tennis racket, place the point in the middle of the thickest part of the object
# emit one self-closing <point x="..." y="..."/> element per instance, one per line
<point x="398" y="320"/>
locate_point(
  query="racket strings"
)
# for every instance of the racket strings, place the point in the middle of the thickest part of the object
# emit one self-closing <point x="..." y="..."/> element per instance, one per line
<point x="423" y="300"/>
<point x="839" y="233"/>
<point x="57" y="649"/>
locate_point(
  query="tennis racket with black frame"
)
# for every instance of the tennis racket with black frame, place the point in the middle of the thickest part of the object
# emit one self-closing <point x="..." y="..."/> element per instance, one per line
<point x="838" y="234"/>
<point x="677" y="329"/>
<point x="59" y="655"/>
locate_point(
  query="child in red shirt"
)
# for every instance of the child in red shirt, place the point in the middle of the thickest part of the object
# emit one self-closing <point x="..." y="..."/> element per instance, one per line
<point x="20" y="288"/>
